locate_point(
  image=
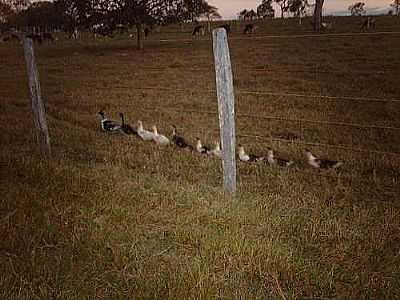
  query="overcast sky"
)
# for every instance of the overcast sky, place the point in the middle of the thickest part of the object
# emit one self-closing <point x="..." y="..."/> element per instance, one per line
<point x="229" y="8"/>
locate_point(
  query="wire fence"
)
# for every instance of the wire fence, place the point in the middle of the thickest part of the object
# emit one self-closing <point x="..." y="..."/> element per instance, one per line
<point x="292" y="141"/>
<point x="270" y="93"/>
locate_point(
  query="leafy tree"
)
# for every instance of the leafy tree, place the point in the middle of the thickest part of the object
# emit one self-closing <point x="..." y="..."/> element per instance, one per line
<point x="357" y="9"/>
<point x="265" y="9"/>
<point x="298" y="7"/>
<point x="396" y="7"/>
<point x="9" y="9"/>
<point x="283" y="5"/>
<point x="242" y="14"/>
<point x="5" y="12"/>
<point x="42" y="15"/>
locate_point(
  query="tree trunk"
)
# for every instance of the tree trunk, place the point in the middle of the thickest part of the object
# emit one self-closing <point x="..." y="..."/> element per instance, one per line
<point x="318" y="15"/>
<point x="139" y="36"/>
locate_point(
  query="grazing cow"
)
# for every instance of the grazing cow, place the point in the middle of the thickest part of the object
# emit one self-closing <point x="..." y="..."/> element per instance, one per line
<point x="47" y="36"/>
<point x="250" y="28"/>
<point x="35" y="37"/>
<point x="227" y="28"/>
<point x="368" y="24"/>
<point x="198" y="30"/>
<point x="10" y="37"/>
<point x="146" y="31"/>
<point x="326" y="25"/>
<point x="73" y="34"/>
<point x="102" y="29"/>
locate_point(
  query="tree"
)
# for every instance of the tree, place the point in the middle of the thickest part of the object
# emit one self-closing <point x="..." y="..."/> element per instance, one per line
<point x="141" y="14"/>
<point x="357" y="9"/>
<point x="396" y="7"/>
<point x="283" y="5"/>
<point x="42" y="15"/>
<point x="298" y="8"/>
<point x="318" y="15"/>
<point x="5" y="12"/>
<point x="242" y="14"/>
<point x="9" y="9"/>
<point x="265" y="9"/>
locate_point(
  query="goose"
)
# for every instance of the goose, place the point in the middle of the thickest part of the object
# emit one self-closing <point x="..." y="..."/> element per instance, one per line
<point x="159" y="139"/>
<point x="201" y="148"/>
<point x="126" y="128"/>
<point x="143" y="133"/>
<point x="179" y="140"/>
<point x="276" y="161"/>
<point x="108" y="125"/>
<point x="248" y="157"/>
<point x="216" y="151"/>
<point x="320" y="163"/>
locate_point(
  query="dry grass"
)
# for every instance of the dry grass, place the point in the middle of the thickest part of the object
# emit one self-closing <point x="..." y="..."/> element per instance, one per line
<point x="114" y="217"/>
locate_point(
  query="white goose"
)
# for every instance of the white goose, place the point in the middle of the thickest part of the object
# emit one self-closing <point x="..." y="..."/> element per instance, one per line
<point x="108" y="125"/>
<point x="201" y="148"/>
<point x="276" y="161"/>
<point x="320" y="163"/>
<point x="144" y="134"/>
<point x="243" y="156"/>
<point x="216" y="151"/>
<point x="159" y="139"/>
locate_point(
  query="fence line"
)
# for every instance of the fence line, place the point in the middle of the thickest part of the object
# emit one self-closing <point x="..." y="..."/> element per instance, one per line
<point x="269" y="93"/>
<point x="344" y="124"/>
<point x="287" y="36"/>
<point x="274" y="70"/>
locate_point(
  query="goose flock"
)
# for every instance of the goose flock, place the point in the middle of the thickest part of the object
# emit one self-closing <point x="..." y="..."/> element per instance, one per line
<point x="111" y="126"/>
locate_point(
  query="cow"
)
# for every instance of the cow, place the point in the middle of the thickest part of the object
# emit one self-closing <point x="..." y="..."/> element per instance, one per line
<point x="227" y="27"/>
<point x="35" y="37"/>
<point x="10" y="37"/>
<point x="146" y="31"/>
<point x="47" y="36"/>
<point x="198" y="30"/>
<point x="250" y="28"/>
<point x="368" y="24"/>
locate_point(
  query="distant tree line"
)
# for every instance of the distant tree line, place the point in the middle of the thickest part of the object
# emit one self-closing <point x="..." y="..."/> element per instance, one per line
<point x="109" y="15"/>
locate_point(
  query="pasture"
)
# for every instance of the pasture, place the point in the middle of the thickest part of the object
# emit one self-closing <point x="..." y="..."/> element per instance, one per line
<point x="113" y="217"/>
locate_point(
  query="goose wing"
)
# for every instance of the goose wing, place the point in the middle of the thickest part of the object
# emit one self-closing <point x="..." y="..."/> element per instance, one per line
<point x="127" y="129"/>
<point x="328" y="164"/>
<point x="109" y="125"/>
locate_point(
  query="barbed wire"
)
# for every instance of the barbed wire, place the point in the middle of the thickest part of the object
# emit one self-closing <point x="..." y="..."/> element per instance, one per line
<point x="271" y="93"/>
<point x="270" y="70"/>
<point x="361" y="126"/>
<point x="286" y="36"/>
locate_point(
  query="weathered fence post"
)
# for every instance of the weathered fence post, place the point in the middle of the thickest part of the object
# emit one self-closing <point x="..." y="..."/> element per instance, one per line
<point x="39" y="114"/>
<point x="226" y="106"/>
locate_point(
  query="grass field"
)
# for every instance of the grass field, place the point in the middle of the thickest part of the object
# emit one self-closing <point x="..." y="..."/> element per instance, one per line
<point x="112" y="217"/>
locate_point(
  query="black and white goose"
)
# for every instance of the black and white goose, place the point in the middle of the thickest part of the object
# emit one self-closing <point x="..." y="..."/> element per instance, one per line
<point x="144" y="134"/>
<point x="126" y="128"/>
<point x="159" y="139"/>
<point x="277" y="161"/>
<point x="320" y="163"/>
<point x="179" y="140"/>
<point x="201" y="148"/>
<point x="243" y="156"/>
<point x="216" y="151"/>
<point x="108" y="125"/>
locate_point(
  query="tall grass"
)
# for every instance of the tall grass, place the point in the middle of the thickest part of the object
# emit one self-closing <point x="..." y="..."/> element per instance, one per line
<point x="113" y="217"/>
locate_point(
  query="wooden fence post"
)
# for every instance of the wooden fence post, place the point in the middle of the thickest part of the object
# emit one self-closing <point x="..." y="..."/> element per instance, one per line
<point x="226" y="106"/>
<point x="39" y="113"/>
